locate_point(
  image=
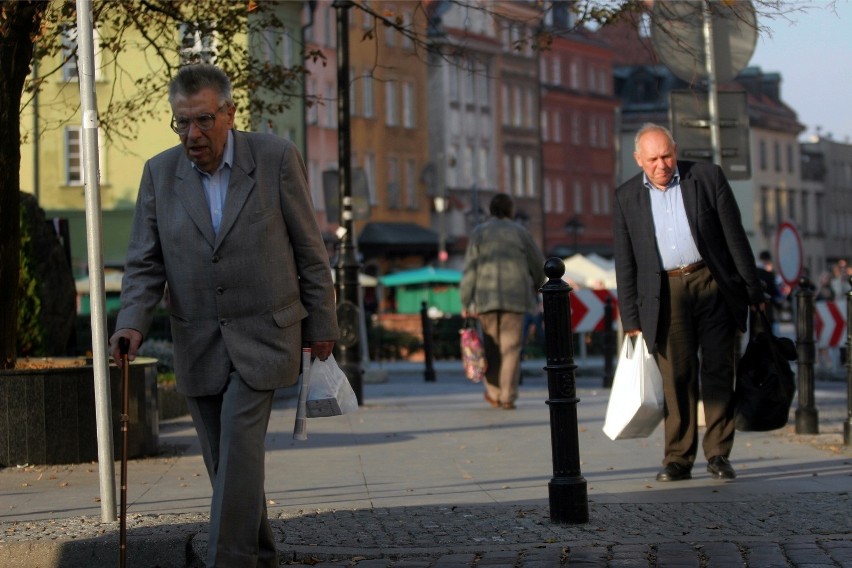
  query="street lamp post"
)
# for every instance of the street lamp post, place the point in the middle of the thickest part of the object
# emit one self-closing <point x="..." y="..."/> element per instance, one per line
<point x="440" y="207"/>
<point x="348" y="349"/>
<point x="575" y="226"/>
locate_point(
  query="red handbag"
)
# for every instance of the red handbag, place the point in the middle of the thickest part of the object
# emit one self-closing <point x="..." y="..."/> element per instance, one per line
<point x="473" y="350"/>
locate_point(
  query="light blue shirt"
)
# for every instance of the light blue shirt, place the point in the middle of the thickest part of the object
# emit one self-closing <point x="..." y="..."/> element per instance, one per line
<point x="216" y="184"/>
<point x="674" y="239"/>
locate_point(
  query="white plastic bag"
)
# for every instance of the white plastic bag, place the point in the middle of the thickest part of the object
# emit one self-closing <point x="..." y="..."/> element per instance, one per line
<point x="636" y="401"/>
<point x="329" y="391"/>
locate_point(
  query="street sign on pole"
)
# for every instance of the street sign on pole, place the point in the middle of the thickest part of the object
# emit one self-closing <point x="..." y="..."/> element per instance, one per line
<point x="788" y="252"/>
<point x="690" y="120"/>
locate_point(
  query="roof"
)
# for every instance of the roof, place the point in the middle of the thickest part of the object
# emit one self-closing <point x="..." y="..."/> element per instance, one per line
<point x="425" y="275"/>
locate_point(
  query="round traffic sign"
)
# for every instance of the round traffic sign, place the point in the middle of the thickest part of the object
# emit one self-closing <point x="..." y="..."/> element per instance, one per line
<point x="677" y="33"/>
<point x="788" y="251"/>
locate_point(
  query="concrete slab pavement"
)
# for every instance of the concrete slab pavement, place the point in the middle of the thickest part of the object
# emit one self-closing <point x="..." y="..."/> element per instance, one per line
<point x="429" y="474"/>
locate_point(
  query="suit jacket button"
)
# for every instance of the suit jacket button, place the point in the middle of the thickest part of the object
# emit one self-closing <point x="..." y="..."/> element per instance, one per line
<point x="220" y="290"/>
<point x="223" y="322"/>
<point x="215" y="258"/>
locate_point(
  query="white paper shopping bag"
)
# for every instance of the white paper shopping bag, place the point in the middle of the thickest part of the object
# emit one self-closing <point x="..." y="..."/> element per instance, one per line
<point x="636" y="401"/>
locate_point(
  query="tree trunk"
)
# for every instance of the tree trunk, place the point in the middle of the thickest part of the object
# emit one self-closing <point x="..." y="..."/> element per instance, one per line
<point x="19" y="25"/>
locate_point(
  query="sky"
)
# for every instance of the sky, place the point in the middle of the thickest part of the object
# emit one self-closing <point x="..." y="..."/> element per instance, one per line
<point x="812" y="55"/>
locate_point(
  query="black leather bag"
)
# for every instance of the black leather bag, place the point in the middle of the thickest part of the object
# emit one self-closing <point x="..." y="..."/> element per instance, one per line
<point x="765" y="382"/>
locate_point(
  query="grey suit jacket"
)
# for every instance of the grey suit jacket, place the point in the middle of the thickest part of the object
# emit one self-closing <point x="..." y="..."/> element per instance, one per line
<point x="716" y="226"/>
<point x="247" y="297"/>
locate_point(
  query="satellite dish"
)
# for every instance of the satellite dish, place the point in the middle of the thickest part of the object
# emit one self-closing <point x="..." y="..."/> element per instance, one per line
<point x="677" y="33"/>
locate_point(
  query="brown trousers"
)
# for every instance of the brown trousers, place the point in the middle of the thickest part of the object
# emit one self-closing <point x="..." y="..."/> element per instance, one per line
<point x="503" y="343"/>
<point x="694" y="318"/>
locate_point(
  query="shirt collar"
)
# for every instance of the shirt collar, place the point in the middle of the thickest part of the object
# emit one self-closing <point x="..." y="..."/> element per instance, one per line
<point x="672" y="182"/>
<point x="227" y="155"/>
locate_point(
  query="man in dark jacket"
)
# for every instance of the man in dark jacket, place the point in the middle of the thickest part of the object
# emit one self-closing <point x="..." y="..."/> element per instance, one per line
<point x="686" y="276"/>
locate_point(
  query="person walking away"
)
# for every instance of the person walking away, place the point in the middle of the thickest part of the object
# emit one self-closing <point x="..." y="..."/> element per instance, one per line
<point x="769" y="281"/>
<point x="503" y="270"/>
<point x="224" y="221"/>
<point x="685" y="275"/>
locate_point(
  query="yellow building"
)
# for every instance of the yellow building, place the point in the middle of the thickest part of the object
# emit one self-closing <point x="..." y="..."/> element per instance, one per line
<point x="52" y="150"/>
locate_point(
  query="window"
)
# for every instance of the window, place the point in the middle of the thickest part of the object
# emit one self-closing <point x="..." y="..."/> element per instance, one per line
<point x="469" y="93"/>
<point x="504" y="104"/>
<point x="370" y="174"/>
<point x="73" y="156"/>
<point x="560" y="196"/>
<point x="391" y="108"/>
<point x="776" y="154"/>
<point x="483" y="93"/>
<point x="330" y="106"/>
<point x="593" y="131"/>
<point x="368" y="95"/>
<point x="529" y="108"/>
<point x="530" y="176"/>
<point x="557" y="126"/>
<point x="313" y="110"/>
<point x="791" y="166"/>
<point x="69" y="54"/>
<point x="393" y="184"/>
<point x="574" y="75"/>
<point x="545" y="127"/>
<point x="453" y="80"/>
<point x="467" y="165"/>
<point x="557" y="70"/>
<point x="483" y="165"/>
<point x="517" y="107"/>
<point x="74" y="160"/>
<point x="605" y="204"/>
<point x="596" y="199"/>
<point x="518" y="175"/>
<point x="410" y="184"/>
<point x="803" y="218"/>
<point x="408" y="105"/>
<point x="578" y="197"/>
<point x="765" y="209"/>
<point x="762" y="155"/>
<point x="406" y="21"/>
<point x="315" y="181"/>
<point x="198" y="43"/>
<point x="575" y="128"/>
<point x="548" y="198"/>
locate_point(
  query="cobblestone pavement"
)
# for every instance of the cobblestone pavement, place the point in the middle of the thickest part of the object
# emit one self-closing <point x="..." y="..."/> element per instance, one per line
<point x="427" y="475"/>
<point x="805" y="531"/>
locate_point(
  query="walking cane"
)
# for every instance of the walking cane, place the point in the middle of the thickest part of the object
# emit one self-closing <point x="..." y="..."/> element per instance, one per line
<point x="123" y="348"/>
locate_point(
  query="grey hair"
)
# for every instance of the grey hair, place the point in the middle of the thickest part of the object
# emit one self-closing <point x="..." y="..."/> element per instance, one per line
<point x="192" y="79"/>
<point x="651" y="127"/>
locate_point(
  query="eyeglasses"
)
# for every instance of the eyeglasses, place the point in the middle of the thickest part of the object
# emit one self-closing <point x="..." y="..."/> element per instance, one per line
<point x="202" y="121"/>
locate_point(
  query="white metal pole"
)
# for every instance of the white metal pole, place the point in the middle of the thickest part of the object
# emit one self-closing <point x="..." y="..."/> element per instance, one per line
<point x="88" y="106"/>
<point x="712" y="96"/>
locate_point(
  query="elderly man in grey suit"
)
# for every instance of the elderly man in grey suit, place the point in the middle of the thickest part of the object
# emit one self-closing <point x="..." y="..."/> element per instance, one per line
<point x="686" y="276"/>
<point x="224" y="226"/>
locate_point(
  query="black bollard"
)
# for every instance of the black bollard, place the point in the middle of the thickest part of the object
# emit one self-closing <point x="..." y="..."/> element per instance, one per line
<point x="847" y="426"/>
<point x="569" y="501"/>
<point x="608" y="344"/>
<point x="807" y="419"/>
<point x="428" y="351"/>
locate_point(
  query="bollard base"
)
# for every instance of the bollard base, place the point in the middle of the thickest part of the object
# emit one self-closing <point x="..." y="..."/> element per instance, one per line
<point x="807" y="421"/>
<point x="569" y="501"/>
<point x="847" y="433"/>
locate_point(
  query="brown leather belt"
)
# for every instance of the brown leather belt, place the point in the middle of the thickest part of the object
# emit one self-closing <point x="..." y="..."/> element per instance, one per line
<point x="686" y="270"/>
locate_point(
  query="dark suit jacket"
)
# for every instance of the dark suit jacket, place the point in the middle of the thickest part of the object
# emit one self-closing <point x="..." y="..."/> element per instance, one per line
<point x="716" y="226"/>
<point x="247" y="296"/>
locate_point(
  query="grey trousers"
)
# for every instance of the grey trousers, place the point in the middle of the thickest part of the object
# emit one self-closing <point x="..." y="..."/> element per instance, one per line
<point x="232" y="427"/>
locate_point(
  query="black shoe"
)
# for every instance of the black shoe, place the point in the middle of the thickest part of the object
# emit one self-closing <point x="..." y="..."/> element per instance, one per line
<point x="720" y="468"/>
<point x="675" y="472"/>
